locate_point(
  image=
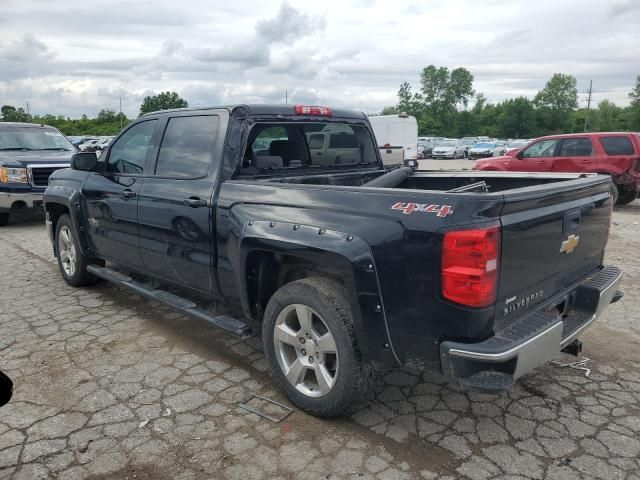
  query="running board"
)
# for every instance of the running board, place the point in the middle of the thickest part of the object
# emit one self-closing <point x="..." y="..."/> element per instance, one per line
<point x="225" y="322"/>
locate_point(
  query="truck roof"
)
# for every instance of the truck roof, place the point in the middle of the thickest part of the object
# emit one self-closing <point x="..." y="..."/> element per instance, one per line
<point x="287" y="109"/>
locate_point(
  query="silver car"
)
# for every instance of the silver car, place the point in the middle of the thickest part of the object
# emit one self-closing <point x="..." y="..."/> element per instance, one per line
<point x="448" y="149"/>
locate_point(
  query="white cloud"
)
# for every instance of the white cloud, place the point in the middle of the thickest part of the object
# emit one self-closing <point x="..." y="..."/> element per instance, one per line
<point x="353" y="54"/>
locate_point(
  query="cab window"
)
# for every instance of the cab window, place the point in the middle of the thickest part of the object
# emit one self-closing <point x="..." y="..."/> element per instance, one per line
<point x="543" y="148"/>
<point x="187" y="146"/>
<point x="129" y="152"/>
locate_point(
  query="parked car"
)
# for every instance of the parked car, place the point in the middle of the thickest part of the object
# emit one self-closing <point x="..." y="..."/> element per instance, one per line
<point x="448" y="149"/>
<point x="615" y="154"/>
<point x="397" y="137"/>
<point x="29" y="154"/>
<point x="343" y="268"/>
<point x="468" y="142"/>
<point x="481" y="150"/>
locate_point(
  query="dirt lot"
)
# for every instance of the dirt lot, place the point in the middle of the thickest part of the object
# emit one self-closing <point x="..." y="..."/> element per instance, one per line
<point x="109" y="385"/>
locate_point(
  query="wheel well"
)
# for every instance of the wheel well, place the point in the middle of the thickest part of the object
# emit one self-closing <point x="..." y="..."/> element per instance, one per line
<point x="55" y="211"/>
<point x="267" y="271"/>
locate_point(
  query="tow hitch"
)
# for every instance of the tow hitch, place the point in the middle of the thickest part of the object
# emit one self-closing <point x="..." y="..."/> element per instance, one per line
<point x="574" y="348"/>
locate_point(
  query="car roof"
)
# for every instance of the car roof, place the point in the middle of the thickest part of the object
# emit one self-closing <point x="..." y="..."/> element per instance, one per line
<point x="287" y="109"/>
<point x="580" y="134"/>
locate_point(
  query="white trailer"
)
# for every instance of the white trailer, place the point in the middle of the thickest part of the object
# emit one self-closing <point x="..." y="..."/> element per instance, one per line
<point x="397" y="137"/>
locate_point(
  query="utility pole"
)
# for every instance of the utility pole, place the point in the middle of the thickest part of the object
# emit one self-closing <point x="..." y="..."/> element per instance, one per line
<point x="28" y="109"/>
<point x="586" y="118"/>
<point x="120" y="112"/>
<point x="286" y="96"/>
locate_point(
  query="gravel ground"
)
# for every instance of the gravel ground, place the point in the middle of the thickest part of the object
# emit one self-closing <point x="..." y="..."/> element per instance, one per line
<point x="109" y="385"/>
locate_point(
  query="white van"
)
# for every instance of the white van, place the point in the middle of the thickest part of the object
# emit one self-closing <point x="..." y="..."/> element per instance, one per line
<point x="397" y="137"/>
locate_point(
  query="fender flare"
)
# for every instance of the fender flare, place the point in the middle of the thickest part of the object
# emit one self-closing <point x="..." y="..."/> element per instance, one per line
<point x="348" y="252"/>
<point x="69" y="198"/>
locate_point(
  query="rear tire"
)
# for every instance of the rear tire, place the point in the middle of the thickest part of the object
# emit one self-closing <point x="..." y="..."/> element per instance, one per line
<point x="4" y="219"/>
<point x="71" y="261"/>
<point x="303" y="322"/>
<point x="626" y="195"/>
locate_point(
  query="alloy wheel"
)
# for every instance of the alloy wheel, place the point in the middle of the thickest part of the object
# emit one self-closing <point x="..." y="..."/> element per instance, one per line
<point x="306" y="350"/>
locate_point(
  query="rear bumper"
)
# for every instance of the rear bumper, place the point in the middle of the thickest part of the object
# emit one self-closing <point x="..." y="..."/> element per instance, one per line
<point x="530" y="341"/>
<point x="19" y="201"/>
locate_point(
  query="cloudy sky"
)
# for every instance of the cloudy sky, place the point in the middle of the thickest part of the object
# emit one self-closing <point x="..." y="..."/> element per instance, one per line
<point x="77" y="56"/>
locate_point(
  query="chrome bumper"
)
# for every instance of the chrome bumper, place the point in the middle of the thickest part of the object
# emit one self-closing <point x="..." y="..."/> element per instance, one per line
<point x="532" y="340"/>
<point x="24" y="200"/>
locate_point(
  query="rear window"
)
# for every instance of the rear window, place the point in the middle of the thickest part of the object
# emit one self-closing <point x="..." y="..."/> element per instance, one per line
<point x="617" y="145"/>
<point x="306" y="145"/>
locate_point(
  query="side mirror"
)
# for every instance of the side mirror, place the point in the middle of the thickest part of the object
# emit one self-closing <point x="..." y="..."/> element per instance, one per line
<point x="84" y="161"/>
<point x="6" y="389"/>
<point x="520" y="155"/>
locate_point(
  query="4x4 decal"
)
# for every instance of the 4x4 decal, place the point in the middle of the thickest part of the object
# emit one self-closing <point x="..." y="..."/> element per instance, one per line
<point x="408" y="208"/>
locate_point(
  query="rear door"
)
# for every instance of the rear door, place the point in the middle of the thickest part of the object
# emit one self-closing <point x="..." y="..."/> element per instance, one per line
<point x="177" y="200"/>
<point x="552" y="236"/>
<point x="575" y="155"/>
<point x="537" y="157"/>
<point x="111" y="197"/>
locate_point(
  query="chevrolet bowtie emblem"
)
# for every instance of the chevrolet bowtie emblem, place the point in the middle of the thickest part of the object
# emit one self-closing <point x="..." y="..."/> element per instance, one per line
<point x="570" y="244"/>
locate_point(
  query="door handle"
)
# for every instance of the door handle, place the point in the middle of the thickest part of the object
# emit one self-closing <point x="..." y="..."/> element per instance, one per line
<point x="195" y="202"/>
<point x="127" y="194"/>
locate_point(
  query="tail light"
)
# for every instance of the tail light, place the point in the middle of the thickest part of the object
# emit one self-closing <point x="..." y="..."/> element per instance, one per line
<point x="470" y="264"/>
<point x="313" y="110"/>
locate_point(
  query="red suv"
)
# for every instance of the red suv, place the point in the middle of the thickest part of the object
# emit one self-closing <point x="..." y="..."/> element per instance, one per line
<point x="616" y="154"/>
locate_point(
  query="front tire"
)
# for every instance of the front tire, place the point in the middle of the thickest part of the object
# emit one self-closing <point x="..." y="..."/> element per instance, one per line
<point x="311" y="346"/>
<point x="71" y="261"/>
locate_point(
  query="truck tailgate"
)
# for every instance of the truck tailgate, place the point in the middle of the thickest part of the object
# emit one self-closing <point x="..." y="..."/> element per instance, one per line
<point x="551" y="237"/>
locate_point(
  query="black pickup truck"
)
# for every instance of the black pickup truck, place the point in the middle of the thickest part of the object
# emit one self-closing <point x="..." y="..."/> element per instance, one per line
<point x="344" y="267"/>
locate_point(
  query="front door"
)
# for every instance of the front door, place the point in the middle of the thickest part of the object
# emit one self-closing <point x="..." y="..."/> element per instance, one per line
<point x="575" y="155"/>
<point x="176" y="202"/>
<point x="112" y="196"/>
<point x="537" y="157"/>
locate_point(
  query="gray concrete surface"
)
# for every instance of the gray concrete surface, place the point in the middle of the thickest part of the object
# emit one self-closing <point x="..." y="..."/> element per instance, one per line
<point x="109" y="385"/>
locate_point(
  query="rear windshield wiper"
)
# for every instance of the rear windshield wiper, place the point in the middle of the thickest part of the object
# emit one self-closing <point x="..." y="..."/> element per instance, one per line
<point x="56" y="148"/>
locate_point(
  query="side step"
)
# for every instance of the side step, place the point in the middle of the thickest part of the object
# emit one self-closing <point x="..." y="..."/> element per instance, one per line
<point x="225" y="322"/>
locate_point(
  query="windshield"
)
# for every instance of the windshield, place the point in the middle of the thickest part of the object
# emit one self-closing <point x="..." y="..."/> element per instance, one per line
<point x="484" y="145"/>
<point x="468" y="141"/>
<point x="33" y="138"/>
<point x="448" y="144"/>
<point x="309" y="145"/>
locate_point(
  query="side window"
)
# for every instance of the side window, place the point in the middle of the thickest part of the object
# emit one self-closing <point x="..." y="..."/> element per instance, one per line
<point x="576" y="147"/>
<point x="543" y="148"/>
<point x="617" y="145"/>
<point x="187" y="146"/>
<point x="128" y="153"/>
<point x="316" y="141"/>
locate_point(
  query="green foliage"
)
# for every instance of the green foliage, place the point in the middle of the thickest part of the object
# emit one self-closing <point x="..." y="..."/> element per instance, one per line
<point x="108" y="122"/>
<point x="13" y="114"/>
<point x="441" y="108"/>
<point x="162" y="101"/>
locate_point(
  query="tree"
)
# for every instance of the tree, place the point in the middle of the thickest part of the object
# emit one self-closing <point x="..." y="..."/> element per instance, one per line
<point x="517" y="118"/>
<point x="13" y="114"/>
<point x="608" y="117"/>
<point x="162" y="101"/>
<point x="556" y="101"/>
<point x="390" y="111"/>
